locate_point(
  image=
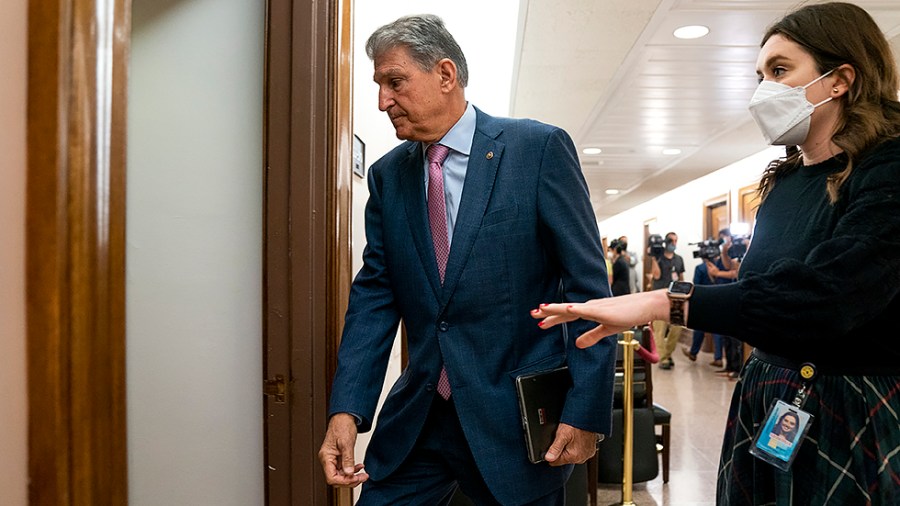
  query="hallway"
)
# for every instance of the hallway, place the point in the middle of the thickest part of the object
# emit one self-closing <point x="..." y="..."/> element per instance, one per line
<point x="698" y="399"/>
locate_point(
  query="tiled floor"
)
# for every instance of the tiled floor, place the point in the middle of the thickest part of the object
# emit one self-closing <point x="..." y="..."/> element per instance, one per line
<point x="698" y="400"/>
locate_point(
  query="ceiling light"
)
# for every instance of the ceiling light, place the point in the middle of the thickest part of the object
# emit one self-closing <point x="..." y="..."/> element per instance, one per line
<point x="592" y="151"/>
<point x="612" y="191"/>
<point x="691" y="32"/>
<point x="671" y="151"/>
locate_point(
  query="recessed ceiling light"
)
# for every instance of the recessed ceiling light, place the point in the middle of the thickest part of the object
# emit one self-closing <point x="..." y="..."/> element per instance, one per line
<point x="691" y="32"/>
<point x="592" y="151"/>
<point x="612" y="191"/>
<point x="671" y="151"/>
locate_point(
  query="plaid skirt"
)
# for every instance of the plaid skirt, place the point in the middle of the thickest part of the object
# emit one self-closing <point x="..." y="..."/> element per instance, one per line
<point x="851" y="454"/>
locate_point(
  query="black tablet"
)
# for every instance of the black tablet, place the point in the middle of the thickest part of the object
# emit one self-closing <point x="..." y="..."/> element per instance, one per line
<point x="541" y="399"/>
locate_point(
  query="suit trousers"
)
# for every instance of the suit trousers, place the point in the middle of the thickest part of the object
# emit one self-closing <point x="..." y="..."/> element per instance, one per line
<point x="439" y="463"/>
<point x="734" y="354"/>
<point x="666" y="336"/>
<point x="697" y="343"/>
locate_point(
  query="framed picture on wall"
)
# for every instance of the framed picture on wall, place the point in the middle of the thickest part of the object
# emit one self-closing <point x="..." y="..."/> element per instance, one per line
<point x="359" y="157"/>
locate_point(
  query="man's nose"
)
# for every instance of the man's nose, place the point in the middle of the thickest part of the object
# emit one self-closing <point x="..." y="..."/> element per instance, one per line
<point x="385" y="99"/>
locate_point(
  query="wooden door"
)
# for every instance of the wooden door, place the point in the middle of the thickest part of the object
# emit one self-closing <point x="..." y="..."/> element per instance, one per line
<point x="716" y="216"/>
<point x="306" y="279"/>
<point x="75" y="275"/>
<point x="646" y="260"/>
<point x="748" y="204"/>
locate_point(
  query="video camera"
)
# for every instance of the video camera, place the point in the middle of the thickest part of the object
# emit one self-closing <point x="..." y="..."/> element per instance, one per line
<point x="740" y="240"/>
<point x="656" y="245"/>
<point x="708" y="249"/>
<point x="738" y="247"/>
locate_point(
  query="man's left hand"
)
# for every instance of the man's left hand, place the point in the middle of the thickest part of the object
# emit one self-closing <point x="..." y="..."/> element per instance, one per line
<point x="571" y="446"/>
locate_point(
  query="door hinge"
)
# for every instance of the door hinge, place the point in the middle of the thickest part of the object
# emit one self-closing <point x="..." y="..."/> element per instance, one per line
<point x="275" y="388"/>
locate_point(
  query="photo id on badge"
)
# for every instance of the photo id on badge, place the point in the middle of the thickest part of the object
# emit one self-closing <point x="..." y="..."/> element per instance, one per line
<point x="778" y="440"/>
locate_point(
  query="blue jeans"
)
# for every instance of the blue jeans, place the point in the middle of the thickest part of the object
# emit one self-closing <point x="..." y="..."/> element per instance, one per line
<point x="698" y="342"/>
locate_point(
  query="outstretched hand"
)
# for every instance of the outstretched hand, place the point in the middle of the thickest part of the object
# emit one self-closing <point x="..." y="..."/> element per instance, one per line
<point x="614" y="314"/>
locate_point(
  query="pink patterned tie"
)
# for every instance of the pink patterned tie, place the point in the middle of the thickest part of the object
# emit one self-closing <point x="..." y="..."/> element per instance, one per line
<point x="437" y="210"/>
<point x="437" y="218"/>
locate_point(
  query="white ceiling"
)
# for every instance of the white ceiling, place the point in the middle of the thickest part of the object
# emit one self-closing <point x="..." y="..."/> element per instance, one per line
<point x="612" y="74"/>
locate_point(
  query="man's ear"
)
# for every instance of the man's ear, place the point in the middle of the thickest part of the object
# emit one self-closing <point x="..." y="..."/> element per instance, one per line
<point x="447" y="70"/>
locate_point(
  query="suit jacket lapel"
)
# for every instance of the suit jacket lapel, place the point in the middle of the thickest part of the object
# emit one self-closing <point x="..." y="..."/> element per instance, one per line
<point x="484" y="159"/>
<point x="412" y="181"/>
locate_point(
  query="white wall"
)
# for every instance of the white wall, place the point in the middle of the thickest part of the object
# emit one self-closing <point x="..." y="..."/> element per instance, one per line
<point x="194" y="230"/>
<point x="13" y="400"/>
<point x="681" y="210"/>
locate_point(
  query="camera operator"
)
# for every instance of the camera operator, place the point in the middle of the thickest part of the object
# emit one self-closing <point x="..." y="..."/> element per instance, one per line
<point x="667" y="266"/>
<point x="722" y="270"/>
<point x="713" y="271"/>
<point x="733" y="250"/>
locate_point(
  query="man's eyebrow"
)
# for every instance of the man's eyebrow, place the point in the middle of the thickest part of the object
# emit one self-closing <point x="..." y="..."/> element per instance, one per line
<point x="388" y="72"/>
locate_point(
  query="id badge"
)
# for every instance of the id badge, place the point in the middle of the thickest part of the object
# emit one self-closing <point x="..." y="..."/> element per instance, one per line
<point x="779" y="439"/>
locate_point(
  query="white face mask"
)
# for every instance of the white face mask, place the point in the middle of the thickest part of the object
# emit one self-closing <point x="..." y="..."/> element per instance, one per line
<point x="783" y="113"/>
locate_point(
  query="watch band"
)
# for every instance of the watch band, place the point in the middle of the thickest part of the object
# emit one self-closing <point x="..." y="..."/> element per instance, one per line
<point x="676" y="312"/>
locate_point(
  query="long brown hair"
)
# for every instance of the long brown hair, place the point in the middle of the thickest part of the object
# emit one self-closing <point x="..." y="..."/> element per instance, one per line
<point x="834" y="34"/>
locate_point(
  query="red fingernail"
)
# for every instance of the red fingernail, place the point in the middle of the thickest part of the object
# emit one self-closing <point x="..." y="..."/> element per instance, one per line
<point x="544" y="305"/>
<point x="534" y="311"/>
<point x="540" y="324"/>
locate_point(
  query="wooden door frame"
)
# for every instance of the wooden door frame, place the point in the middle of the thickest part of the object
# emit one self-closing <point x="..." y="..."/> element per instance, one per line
<point x="742" y="193"/>
<point x="75" y="238"/>
<point x="646" y="282"/>
<point x="721" y="200"/>
<point x="307" y="264"/>
<point x="75" y="251"/>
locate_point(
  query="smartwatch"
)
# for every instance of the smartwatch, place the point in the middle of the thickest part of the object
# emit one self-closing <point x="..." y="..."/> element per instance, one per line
<point x="679" y="292"/>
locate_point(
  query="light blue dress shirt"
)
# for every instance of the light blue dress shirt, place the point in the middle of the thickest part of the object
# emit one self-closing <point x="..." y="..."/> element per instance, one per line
<point x="459" y="140"/>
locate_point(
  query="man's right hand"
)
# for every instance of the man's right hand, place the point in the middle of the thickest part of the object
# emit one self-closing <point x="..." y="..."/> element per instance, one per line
<point x="336" y="453"/>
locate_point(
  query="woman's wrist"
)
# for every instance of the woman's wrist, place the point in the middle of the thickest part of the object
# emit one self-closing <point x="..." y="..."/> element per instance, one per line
<point x="661" y="307"/>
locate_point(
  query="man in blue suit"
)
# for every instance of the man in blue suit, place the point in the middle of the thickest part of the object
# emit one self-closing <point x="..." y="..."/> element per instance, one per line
<point x="514" y="228"/>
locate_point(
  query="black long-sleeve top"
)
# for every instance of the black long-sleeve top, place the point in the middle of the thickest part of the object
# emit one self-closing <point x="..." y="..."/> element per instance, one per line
<point x="620" y="275"/>
<point x="820" y="281"/>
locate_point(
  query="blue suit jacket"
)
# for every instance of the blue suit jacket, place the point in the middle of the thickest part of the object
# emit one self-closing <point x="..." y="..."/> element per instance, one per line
<point x="525" y="234"/>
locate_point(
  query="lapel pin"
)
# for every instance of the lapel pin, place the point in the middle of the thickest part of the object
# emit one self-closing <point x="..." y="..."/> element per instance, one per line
<point x="490" y="155"/>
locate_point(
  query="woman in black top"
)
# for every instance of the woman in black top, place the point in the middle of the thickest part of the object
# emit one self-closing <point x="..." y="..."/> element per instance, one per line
<point x="821" y="280"/>
<point x="621" y="281"/>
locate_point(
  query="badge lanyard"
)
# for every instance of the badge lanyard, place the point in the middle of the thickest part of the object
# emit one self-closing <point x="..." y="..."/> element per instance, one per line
<point x="779" y="438"/>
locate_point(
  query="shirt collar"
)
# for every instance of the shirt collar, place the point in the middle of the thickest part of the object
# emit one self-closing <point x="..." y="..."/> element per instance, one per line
<point x="459" y="138"/>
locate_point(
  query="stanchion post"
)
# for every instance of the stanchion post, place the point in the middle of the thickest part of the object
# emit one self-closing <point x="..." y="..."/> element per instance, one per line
<point x="629" y="345"/>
